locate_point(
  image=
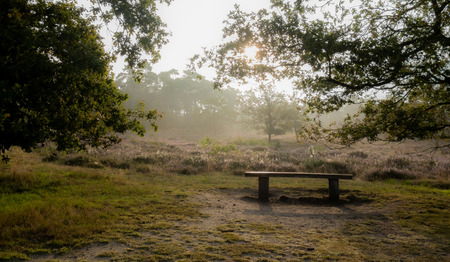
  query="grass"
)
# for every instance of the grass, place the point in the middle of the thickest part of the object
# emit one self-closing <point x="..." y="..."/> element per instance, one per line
<point x="146" y="209"/>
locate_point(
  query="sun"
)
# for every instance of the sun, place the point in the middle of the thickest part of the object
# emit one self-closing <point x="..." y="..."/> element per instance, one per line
<point x="251" y="51"/>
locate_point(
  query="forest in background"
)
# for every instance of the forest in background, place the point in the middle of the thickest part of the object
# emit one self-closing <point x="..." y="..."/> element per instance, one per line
<point x="188" y="103"/>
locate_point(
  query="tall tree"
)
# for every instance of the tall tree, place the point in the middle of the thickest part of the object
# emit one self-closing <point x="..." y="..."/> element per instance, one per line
<point x="392" y="56"/>
<point x="56" y="83"/>
<point x="269" y="112"/>
<point x="187" y="102"/>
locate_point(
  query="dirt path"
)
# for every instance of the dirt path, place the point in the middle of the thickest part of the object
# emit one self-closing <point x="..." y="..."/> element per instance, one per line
<point x="237" y="226"/>
<point x="292" y="213"/>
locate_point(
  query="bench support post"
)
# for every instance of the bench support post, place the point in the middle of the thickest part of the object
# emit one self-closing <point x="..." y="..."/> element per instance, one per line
<point x="263" y="190"/>
<point x="333" y="188"/>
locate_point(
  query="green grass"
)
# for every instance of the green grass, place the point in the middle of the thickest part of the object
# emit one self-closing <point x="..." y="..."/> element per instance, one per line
<point x="51" y="208"/>
<point x="56" y="208"/>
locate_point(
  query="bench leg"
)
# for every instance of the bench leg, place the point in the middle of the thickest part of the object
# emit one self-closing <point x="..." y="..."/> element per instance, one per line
<point x="263" y="189"/>
<point x="333" y="187"/>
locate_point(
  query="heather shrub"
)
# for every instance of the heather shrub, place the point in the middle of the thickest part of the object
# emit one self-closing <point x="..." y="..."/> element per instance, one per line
<point x="284" y="167"/>
<point x="145" y="160"/>
<point x="53" y="157"/>
<point x="358" y="154"/>
<point x="336" y="167"/>
<point x="196" y="162"/>
<point x="250" y="142"/>
<point x="215" y="149"/>
<point x="77" y="161"/>
<point x="380" y="175"/>
<point x="114" y="163"/>
<point x="143" y="169"/>
<point x="187" y="170"/>
<point x="312" y="164"/>
<point x="95" y="165"/>
<point x="399" y="163"/>
<point x="236" y="165"/>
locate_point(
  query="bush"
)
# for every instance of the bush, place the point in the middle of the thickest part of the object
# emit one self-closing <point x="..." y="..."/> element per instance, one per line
<point x="206" y="142"/>
<point x="222" y="149"/>
<point x="400" y="163"/>
<point x="94" y="165"/>
<point x="237" y="165"/>
<point x="336" y="167"/>
<point x="276" y="144"/>
<point x="115" y="164"/>
<point x="216" y="148"/>
<point x="250" y="142"/>
<point x="358" y="154"/>
<point x="143" y="170"/>
<point x="195" y="162"/>
<point x="380" y="175"/>
<point x="187" y="170"/>
<point x="51" y="158"/>
<point x="77" y="161"/>
<point x="312" y="164"/>
<point x="145" y="160"/>
<point x="284" y="168"/>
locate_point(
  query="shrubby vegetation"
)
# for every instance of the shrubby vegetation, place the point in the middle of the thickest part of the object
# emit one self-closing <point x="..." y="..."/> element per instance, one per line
<point x="365" y="162"/>
<point x="142" y="192"/>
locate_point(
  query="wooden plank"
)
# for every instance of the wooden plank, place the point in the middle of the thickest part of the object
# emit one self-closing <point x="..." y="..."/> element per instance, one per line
<point x="297" y="174"/>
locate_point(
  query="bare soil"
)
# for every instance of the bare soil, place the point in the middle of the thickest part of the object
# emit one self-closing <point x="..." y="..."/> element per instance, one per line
<point x="290" y="212"/>
<point x="287" y="227"/>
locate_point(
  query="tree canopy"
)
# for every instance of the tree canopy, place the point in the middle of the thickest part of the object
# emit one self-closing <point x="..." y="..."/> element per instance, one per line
<point x="188" y="104"/>
<point x="56" y="83"/>
<point x="269" y="112"/>
<point x="391" y="56"/>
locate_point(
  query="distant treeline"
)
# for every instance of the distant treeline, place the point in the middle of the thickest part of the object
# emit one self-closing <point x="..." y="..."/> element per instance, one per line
<point x="186" y="101"/>
<point x="189" y="103"/>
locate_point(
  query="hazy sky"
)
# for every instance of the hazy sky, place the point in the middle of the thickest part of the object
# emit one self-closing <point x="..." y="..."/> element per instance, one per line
<point x="195" y="24"/>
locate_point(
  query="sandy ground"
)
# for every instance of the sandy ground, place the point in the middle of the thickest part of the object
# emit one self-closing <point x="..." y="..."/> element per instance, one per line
<point x="307" y="220"/>
<point x="290" y="212"/>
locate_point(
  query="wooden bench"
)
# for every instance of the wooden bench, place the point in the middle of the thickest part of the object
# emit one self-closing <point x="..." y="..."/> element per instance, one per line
<point x="263" y="190"/>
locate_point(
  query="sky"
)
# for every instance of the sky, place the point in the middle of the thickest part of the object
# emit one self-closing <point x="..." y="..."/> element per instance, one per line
<point x="195" y="24"/>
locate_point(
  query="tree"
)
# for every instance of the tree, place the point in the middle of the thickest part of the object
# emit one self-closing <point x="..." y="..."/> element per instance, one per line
<point x="189" y="104"/>
<point x="56" y="83"/>
<point x="268" y="112"/>
<point x="392" y="56"/>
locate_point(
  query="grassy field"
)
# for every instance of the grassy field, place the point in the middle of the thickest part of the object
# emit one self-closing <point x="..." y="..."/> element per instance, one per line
<point x="174" y="200"/>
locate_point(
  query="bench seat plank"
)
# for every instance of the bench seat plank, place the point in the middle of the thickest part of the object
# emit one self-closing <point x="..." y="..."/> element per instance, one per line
<point x="297" y="174"/>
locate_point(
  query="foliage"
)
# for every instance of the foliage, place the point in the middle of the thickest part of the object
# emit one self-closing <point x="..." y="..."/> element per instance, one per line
<point x="206" y="142"/>
<point x="216" y="148"/>
<point x="391" y="56"/>
<point x="270" y="112"/>
<point x="187" y="102"/>
<point x="138" y="30"/>
<point x="56" y="83"/>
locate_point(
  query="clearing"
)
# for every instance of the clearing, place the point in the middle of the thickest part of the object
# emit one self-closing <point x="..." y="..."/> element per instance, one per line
<point x="181" y="201"/>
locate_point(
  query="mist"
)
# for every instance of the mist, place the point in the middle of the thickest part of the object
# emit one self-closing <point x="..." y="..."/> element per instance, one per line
<point x="192" y="108"/>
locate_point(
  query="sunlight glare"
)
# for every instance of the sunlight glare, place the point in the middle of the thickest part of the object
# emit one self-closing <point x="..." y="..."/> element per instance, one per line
<point x="251" y="51"/>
